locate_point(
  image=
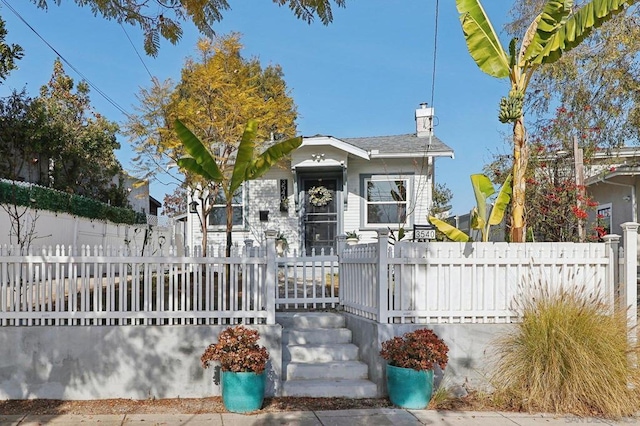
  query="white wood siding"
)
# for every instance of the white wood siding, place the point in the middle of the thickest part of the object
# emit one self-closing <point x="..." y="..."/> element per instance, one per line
<point x="264" y="194"/>
<point x="261" y="194"/>
<point x="420" y="191"/>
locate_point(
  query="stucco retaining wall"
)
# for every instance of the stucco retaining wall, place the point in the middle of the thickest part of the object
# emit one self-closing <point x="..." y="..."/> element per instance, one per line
<point x="140" y="362"/>
<point x="137" y="362"/>
<point x="470" y="349"/>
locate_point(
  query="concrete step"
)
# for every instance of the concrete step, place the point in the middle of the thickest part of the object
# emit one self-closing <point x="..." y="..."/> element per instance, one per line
<point x="317" y="336"/>
<point x="329" y="388"/>
<point x="314" y="320"/>
<point x="320" y="353"/>
<point x="319" y="358"/>
<point x="326" y="370"/>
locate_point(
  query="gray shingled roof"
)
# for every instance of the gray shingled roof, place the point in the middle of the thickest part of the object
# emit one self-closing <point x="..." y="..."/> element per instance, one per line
<point x="399" y="144"/>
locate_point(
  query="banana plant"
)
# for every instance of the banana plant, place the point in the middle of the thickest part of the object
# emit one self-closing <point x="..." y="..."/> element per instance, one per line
<point x="557" y="29"/>
<point x="480" y="220"/>
<point x="247" y="165"/>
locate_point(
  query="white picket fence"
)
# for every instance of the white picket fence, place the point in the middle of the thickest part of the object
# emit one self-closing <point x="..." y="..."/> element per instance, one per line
<point x="409" y="283"/>
<point x="117" y="287"/>
<point x="479" y="282"/>
<point x="308" y="282"/>
<point x="122" y="286"/>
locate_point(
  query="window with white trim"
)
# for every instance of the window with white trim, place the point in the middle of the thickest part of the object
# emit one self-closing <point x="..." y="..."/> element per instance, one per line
<point x="603" y="219"/>
<point x="218" y="214"/>
<point x="386" y="200"/>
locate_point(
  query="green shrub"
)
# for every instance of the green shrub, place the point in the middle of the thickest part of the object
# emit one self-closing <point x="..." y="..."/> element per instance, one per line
<point x="568" y="355"/>
<point x="12" y="194"/>
<point x="57" y="201"/>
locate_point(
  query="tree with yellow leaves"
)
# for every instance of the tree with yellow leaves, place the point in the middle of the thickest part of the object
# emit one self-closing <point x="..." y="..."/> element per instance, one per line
<point x="218" y="94"/>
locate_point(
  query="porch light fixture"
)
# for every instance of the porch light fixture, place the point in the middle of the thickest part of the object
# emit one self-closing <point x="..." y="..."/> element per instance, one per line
<point x="193" y="207"/>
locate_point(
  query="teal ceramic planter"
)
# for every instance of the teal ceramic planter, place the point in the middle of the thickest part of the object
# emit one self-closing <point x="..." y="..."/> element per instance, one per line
<point x="242" y="392"/>
<point x="409" y="388"/>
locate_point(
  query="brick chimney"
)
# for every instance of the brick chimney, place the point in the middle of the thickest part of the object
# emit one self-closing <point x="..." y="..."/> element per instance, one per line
<point x="424" y="120"/>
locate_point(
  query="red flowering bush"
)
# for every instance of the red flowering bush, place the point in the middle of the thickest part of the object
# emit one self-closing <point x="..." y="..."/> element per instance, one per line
<point x="558" y="206"/>
<point x="237" y="350"/>
<point x="419" y="349"/>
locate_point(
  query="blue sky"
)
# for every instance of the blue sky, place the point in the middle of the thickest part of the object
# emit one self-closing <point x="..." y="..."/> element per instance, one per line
<point x="363" y="75"/>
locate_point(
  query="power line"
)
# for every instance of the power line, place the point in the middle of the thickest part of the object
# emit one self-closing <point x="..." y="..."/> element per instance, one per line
<point x="435" y="52"/>
<point x="431" y="119"/>
<point x="96" y="88"/>
<point x="136" y="50"/>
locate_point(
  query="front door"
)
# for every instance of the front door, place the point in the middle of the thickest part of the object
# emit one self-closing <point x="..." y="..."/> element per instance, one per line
<point x="320" y="218"/>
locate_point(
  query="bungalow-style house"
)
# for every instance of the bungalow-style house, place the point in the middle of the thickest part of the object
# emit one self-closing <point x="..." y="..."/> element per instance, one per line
<point x="332" y="186"/>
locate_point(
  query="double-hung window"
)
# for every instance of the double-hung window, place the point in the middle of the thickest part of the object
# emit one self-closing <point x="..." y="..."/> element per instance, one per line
<point x="386" y="200"/>
<point x="218" y="214"/>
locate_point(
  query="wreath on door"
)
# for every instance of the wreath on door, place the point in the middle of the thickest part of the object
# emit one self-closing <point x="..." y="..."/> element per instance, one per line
<point x="319" y="196"/>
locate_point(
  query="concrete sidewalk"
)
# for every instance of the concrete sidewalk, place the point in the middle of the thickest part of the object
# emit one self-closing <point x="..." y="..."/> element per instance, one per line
<point x="384" y="416"/>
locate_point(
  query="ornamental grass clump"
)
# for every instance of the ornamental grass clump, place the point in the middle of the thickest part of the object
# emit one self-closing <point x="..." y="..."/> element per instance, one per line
<point x="570" y="354"/>
<point x="419" y="350"/>
<point x="237" y="350"/>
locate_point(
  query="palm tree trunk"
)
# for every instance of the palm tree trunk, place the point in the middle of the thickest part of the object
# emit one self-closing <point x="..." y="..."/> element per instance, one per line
<point x="520" y="160"/>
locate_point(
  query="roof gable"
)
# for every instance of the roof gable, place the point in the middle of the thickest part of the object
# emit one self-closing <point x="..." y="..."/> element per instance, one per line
<point x="320" y="140"/>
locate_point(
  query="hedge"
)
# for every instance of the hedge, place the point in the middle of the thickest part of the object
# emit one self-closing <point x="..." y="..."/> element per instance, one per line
<point x="25" y="194"/>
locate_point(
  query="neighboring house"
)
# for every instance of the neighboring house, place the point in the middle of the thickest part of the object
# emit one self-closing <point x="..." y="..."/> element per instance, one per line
<point x="334" y="185"/>
<point x="614" y="182"/>
<point x="140" y="199"/>
<point x="612" y="179"/>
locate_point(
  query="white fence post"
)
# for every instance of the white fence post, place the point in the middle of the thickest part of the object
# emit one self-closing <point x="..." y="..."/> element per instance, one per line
<point x="629" y="290"/>
<point x="341" y="243"/>
<point x="271" y="279"/>
<point x="383" y="284"/>
<point x="612" y="242"/>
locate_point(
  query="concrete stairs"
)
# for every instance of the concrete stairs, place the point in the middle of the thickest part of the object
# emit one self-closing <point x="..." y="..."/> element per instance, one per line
<point x="319" y="359"/>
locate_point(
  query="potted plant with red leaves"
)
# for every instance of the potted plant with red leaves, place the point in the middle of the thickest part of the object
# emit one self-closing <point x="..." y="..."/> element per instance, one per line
<point x="242" y="362"/>
<point x="410" y="362"/>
